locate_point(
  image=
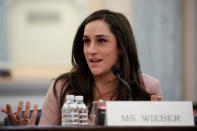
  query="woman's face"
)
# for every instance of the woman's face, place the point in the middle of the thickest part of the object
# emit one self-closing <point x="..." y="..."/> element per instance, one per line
<point x="100" y="47"/>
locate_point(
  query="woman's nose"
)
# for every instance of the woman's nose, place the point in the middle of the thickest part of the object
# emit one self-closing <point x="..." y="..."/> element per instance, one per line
<point x="92" y="48"/>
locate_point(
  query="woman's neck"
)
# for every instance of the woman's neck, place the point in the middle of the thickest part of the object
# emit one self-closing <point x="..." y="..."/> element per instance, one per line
<point x="105" y="86"/>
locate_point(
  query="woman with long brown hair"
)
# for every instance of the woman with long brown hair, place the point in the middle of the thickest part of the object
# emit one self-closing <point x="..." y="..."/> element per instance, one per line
<point x="104" y="39"/>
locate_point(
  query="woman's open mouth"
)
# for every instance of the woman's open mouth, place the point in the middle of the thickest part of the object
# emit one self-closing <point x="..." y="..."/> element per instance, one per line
<point x="94" y="61"/>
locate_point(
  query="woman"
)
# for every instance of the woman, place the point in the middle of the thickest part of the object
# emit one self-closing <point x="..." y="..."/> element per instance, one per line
<point x="104" y="39"/>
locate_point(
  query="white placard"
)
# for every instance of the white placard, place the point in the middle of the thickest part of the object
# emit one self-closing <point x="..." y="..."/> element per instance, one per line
<point x="152" y="113"/>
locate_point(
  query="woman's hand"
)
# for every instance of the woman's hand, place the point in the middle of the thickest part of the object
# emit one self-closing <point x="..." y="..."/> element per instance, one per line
<point x="16" y="119"/>
<point x="155" y="98"/>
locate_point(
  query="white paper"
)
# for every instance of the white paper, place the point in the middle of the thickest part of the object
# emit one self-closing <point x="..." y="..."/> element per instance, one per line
<point x="152" y="113"/>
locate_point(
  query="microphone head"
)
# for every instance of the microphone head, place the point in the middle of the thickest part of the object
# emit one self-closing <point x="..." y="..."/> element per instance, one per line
<point x="115" y="70"/>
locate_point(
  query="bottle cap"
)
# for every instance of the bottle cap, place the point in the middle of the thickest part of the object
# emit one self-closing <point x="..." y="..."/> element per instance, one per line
<point x="70" y="97"/>
<point x="78" y="98"/>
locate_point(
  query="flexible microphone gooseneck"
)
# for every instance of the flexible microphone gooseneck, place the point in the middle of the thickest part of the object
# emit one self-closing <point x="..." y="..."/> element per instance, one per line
<point x="116" y="72"/>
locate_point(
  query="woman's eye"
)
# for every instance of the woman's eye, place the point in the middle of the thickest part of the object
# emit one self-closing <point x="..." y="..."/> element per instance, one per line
<point x="102" y="40"/>
<point x="86" y="41"/>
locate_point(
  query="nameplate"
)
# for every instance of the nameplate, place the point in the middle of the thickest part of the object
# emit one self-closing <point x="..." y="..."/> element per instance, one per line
<point x="152" y="113"/>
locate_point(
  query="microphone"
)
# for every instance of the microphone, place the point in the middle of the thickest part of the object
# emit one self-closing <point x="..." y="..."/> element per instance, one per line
<point x="116" y="72"/>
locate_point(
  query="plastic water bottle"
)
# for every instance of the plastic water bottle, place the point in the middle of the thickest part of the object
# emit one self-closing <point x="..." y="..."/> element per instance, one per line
<point x="82" y="111"/>
<point x="69" y="112"/>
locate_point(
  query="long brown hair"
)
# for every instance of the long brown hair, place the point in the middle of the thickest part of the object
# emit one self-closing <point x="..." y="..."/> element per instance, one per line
<point x="79" y="81"/>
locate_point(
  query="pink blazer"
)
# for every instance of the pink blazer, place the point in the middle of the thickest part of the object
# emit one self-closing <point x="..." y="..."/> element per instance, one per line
<point x="51" y="110"/>
<point x="152" y="85"/>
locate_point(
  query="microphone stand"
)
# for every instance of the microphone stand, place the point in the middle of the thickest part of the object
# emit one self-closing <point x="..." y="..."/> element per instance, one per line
<point x="130" y="96"/>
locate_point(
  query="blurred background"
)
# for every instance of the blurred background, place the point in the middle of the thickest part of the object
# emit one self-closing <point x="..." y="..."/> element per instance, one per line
<point x="36" y="41"/>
